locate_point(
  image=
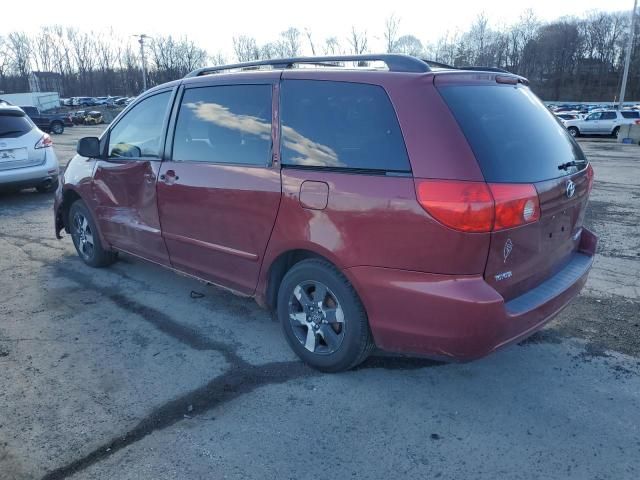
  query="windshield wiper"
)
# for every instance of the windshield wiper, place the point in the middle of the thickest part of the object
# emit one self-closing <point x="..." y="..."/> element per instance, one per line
<point x="572" y="163"/>
<point x="9" y="132"/>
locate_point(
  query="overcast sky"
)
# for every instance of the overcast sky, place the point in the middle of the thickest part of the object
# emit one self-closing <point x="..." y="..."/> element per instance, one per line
<point x="212" y="24"/>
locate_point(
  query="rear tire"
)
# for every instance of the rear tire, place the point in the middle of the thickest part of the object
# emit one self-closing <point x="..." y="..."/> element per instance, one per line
<point x="616" y="132"/>
<point x="573" y="131"/>
<point x="57" y="128"/>
<point x="322" y="317"/>
<point x="86" y="238"/>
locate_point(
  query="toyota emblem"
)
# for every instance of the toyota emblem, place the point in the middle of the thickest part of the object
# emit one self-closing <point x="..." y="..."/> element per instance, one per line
<point x="571" y="189"/>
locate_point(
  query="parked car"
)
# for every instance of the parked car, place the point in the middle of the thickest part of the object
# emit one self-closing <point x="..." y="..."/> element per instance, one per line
<point x="431" y="212"/>
<point x="570" y="116"/>
<point x="26" y="157"/>
<point x="601" y="122"/>
<point x="85" y="102"/>
<point x="49" y="122"/>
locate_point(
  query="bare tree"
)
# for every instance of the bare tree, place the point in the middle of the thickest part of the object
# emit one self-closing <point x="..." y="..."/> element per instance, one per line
<point x="19" y="49"/>
<point x="391" y="26"/>
<point x="290" y="44"/>
<point x="217" y="59"/>
<point x="245" y="48"/>
<point x="358" y="41"/>
<point x="409" y="45"/>
<point x="332" y="46"/>
<point x="309" y="39"/>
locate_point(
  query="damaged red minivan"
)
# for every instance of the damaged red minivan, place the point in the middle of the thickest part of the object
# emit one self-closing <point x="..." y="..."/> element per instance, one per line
<point x="393" y="203"/>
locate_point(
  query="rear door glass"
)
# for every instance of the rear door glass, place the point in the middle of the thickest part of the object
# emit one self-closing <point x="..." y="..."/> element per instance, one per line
<point x="341" y="125"/>
<point x="631" y="114"/>
<point x="512" y="134"/>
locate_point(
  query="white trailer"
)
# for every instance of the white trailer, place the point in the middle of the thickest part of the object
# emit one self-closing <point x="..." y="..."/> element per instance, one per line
<point x="43" y="100"/>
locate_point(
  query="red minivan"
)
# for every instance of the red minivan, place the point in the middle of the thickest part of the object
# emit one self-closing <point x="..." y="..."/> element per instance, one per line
<point x="420" y="209"/>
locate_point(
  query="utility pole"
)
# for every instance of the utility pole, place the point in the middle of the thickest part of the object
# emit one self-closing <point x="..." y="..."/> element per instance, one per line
<point x="141" y="39"/>
<point x="627" y="59"/>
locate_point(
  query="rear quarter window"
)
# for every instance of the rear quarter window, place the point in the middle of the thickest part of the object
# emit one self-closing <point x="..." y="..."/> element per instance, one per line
<point x="514" y="137"/>
<point x="340" y="125"/>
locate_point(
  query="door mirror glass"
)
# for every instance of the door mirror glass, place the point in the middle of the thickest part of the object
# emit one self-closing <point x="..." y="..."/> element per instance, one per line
<point x="89" y="147"/>
<point x="139" y="134"/>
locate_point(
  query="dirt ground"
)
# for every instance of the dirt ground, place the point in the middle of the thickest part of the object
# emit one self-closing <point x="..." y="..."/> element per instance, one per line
<point x="121" y="373"/>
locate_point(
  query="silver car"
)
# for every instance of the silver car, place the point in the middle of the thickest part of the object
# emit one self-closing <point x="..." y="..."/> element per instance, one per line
<point x="27" y="158"/>
<point x="601" y="122"/>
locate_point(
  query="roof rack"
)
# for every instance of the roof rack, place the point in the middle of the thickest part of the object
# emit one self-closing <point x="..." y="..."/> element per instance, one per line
<point x="474" y="68"/>
<point x="394" y="62"/>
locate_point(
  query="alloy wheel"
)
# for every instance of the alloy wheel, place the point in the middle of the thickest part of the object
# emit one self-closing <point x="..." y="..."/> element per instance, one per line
<point x="316" y="317"/>
<point x="83" y="235"/>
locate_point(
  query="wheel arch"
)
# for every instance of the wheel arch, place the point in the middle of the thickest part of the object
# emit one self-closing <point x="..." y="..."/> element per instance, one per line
<point x="279" y="266"/>
<point x="69" y="196"/>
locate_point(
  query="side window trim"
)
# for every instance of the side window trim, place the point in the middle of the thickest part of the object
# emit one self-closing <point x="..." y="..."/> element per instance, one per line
<point x="124" y="114"/>
<point x="171" y="132"/>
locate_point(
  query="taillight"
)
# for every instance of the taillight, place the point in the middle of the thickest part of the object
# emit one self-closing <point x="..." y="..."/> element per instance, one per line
<point x="478" y="206"/>
<point x="516" y="204"/>
<point x="465" y="206"/>
<point x="44" y="142"/>
<point x="590" y="178"/>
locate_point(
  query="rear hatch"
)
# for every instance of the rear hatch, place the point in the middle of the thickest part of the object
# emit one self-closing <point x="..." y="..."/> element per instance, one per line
<point x="521" y="146"/>
<point x="18" y="137"/>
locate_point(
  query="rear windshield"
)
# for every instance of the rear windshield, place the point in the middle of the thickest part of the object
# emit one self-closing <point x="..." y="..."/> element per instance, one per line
<point x="512" y="134"/>
<point x="14" y="124"/>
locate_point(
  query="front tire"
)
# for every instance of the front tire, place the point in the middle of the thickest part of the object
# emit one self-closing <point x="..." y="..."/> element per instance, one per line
<point x="86" y="238"/>
<point x="322" y="317"/>
<point x="573" y="131"/>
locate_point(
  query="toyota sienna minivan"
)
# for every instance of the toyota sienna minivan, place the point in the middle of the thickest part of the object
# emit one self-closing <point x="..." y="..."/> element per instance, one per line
<point x="418" y="209"/>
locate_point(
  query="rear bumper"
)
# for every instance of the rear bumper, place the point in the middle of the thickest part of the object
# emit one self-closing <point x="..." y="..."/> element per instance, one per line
<point x="31" y="176"/>
<point x="461" y="317"/>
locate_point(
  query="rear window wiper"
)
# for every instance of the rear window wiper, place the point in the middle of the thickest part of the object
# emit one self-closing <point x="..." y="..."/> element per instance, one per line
<point x="572" y="163"/>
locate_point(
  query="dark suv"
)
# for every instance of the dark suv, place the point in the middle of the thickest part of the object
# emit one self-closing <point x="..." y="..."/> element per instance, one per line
<point x="423" y="210"/>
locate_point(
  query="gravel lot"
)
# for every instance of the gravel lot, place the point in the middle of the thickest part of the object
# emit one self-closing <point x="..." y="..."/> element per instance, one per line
<point x="120" y="373"/>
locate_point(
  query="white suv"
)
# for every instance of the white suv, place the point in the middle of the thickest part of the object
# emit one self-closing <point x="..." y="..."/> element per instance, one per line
<point x="605" y="122"/>
<point x="26" y="157"/>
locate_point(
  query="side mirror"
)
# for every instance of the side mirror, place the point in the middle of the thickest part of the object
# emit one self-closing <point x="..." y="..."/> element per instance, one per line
<point x="89" y="147"/>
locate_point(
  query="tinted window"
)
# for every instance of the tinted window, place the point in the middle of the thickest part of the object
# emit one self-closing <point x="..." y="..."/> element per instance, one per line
<point x="631" y="114"/>
<point x="341" y="125"/>
<point x="513" y="136"/>
<point x="14" y="125"/>
<point x="139" y="132"/>
<point x="224" y="124"/>
<point x="30" y="110"/>
<point x="608" y="116"/>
